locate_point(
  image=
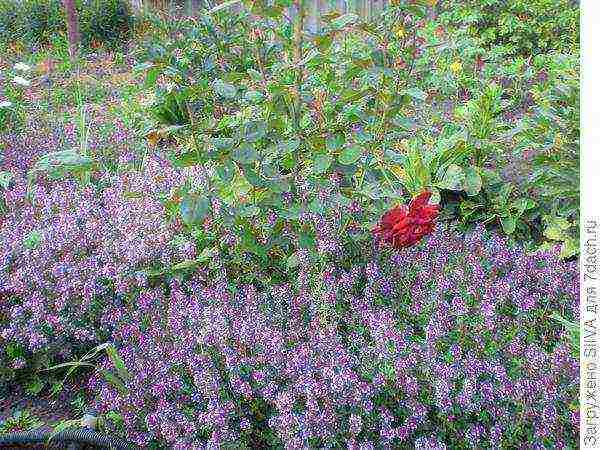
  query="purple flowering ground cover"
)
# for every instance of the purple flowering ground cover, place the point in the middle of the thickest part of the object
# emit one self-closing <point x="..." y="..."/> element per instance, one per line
<point x="441" y="346"/>
<point x="445" y="345"/>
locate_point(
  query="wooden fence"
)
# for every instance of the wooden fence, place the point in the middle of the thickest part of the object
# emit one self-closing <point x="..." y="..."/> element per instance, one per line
<point x="367" y="9"/>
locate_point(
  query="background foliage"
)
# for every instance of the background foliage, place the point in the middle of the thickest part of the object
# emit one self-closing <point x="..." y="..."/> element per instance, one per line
<point x="523" y="27"/>
<point x="41" y="22"/>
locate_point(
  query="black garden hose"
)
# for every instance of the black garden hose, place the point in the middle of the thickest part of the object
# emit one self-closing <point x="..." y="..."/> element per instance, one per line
<point x="79" y="438"/>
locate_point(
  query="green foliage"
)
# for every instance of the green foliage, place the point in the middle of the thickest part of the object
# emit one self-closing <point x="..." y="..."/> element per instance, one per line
<point x="39" y="22"/>
<point x="523" y="27"/>
<point x="21" y="420"/>
<point x="266" y="110"/>
<point x="572" y="328"/>
<point x="553" y="133"/>
<point x="117" y="376"/>
<point x="270" y="111"/>
<point x="108" y="22"/>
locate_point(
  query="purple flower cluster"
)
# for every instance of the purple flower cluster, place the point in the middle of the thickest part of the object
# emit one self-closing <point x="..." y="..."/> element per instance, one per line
<point x="67" y="250"/>
<point x="446" y="345"/>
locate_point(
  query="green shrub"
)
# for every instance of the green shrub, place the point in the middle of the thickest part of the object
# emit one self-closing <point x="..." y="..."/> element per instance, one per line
<point x="106" y="21"/>
<point x="523" y="26"/>
<point x="38" y="22"/>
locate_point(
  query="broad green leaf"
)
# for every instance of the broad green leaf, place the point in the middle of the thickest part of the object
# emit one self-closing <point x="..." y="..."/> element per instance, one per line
<point x="415" y="93"/>
<point x="245" y="154"/>
<point x="335" y="142"/>
<point x="521" y="205"/>
<point x="226" y="4"/>
<point x="194" y="208"/>
<point x="405" y="123"/>
<point x="344" y="21"/>
<point x="222" y="143"/>
<point x="288" y="146"/>
<point x="395" y="157"/>
<point x="255" y="131"/>
<point x="453" y="179"/>
<point x="5" y="179"/>
<point x="226" y="171"/>
<point x="473" y="181"/>
<point x="350" y="155"/>
<point x="554" y="233"/>
<point x="509" y="224"/>
<point x="61" y="162"/>
<point x="185" y="160"/>
<point x="321" y="163"/>
<point x="224" y="89"/>
<point x="249" y="211"/>
<point x="253" y="177"/>
<point x="254" y="96"/>
<point x="569" y="248"/>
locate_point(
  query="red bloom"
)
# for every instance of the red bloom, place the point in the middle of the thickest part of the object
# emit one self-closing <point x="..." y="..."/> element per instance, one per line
<point x="404" y="225"/>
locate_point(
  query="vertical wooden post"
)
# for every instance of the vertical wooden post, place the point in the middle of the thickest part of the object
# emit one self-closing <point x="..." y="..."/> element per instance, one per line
<point x="72" y="28"/>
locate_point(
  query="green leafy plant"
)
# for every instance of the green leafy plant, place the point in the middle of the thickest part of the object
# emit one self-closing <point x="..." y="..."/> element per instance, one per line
<point x="39" y="22"/>
<point x="552" y="132"/>
<point x="277" y="109"/>
<point x="445" y="167"/>
<point x="21" y="420"/>
<point x="116" y="377"/>
<point x="523" y="27"/>
<point x="572" y="328"/>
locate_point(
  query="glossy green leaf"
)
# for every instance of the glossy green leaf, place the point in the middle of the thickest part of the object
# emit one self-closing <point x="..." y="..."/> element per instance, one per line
<point x="453" y="179"/>
<point x="509" y="224"/>
<point x="350" y="155"/>
<point x="473" y="181"/>
<point x="224" y="89"/>
<point x="245" y="154"/>
<point x="321" y="163"/>
<point x="194" y="208"/>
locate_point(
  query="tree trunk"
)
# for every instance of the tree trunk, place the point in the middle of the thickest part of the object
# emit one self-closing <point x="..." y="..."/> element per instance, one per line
<point x="72" y="27"/>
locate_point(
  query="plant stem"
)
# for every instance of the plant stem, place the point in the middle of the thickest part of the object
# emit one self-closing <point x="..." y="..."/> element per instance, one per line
<point x="298" y="41"/>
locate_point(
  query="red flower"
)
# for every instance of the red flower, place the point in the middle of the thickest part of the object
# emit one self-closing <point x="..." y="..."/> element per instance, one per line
<point x="404" y="225"/>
